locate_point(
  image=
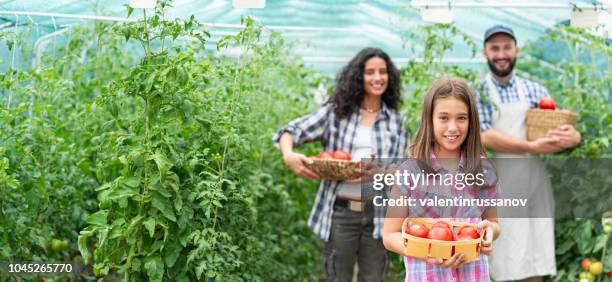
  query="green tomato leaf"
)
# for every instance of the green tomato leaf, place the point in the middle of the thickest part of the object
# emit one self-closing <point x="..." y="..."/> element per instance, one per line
<point x="127" y="34"/>
<point x="172" y="250"/>
<point x="608" y="261"/>
<point x="82" y="245"/>
<point x="131" y="181"/>
<point x="565" y="246"/>
<point x="104" y="186"/>
<point x="98" y="218"/>
<point x="600" y="242"/>
<point x="136" y="265"/>
<point x="163" y="164"/>
<point x="122" y="191"/>
<point x="134" y="224"/>
<point x="150" y="226"/>
<point x="117" y="228"/>
<point x="150" y="82"/>
<point x="130" y="10"/>
<point x="585" y="235"/>
<point x="163" y="205"/>
<point x="155" y="268"/>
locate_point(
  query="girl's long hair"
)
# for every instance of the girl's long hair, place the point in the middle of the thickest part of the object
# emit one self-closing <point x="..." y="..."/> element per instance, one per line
<point x="424" y="140"/>
<point x="349" y="91"/>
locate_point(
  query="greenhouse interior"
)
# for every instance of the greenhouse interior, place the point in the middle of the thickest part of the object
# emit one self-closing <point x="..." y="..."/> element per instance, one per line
<point x="269" y="140"/>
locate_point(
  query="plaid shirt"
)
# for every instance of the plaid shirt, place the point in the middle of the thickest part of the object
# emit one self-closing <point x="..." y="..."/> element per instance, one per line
<point x="433" y="190"/>
<point x="419" y="270"/>
<point x="508" y="93"/>
<point x="390" y="140"/>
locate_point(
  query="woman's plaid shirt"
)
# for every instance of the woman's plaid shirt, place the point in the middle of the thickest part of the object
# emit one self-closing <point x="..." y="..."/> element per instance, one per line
<point x="390" y="141"/>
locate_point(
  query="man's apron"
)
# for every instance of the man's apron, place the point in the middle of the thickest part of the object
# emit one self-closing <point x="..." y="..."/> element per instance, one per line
<point x="526" y="245"/>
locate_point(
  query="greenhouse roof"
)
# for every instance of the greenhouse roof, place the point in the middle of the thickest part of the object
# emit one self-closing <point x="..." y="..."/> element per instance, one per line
<point x="328" y="32"/>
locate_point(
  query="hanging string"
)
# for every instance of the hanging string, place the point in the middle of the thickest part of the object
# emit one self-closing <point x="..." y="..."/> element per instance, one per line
<point x="54" y="30"/>
<point x="15" y="43"/>
<point x="11" y="71"/>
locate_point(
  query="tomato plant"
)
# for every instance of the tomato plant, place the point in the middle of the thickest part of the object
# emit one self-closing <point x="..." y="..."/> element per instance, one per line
<point x="47" y="132"/>
<point x="186" y="193"/>
<point x="579" y="81"/>
<point x="73" y="140"/>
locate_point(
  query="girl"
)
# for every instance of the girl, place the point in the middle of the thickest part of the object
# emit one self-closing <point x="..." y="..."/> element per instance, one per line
<point x="361" y="118"/>
<point x="447" y="142"/>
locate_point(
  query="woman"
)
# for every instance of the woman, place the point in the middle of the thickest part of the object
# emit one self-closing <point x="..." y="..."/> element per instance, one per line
<point x="361" y="117"/>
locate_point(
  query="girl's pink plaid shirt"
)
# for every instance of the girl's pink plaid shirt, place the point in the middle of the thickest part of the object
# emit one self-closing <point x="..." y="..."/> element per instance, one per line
<point x="418" y="270"/>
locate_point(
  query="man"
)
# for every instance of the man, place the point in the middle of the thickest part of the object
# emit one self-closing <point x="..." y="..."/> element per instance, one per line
<point x="525" y="248"/>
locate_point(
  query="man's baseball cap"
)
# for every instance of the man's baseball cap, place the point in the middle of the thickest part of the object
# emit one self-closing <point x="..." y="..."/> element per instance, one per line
<point x="498" y="29"/>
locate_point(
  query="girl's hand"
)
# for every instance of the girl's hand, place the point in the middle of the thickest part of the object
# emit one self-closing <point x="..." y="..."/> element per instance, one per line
<point x="486" y="246"/>
<point x="456" y="261"/>
<point x="357" y="180"/>
<point x="366" y="173"/>
<point x="296" y="162"/>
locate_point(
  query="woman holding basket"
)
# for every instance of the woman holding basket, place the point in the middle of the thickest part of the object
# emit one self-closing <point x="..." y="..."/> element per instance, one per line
<point x="361" y="117"/>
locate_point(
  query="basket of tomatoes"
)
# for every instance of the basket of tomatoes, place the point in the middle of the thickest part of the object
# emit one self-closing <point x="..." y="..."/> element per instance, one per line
<point x="434" y="238"/>
<point x="334" y="165"/>
<point x="547" y="117"/>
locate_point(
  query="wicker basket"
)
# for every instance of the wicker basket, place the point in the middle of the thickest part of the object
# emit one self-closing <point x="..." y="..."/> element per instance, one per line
<point x="430" y="248"/>
<point x="334" y="169"/>
<point x="541" y="121"/>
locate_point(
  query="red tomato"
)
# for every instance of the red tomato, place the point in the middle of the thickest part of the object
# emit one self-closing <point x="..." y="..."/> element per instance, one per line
<point x="325" y="155"/>
<point x="547" y="103"/>
<point x="440" y="233"/>
<point x="609" y="274"/>
<point x="442" y="224"/>
<point x="418" y="230"/>
<point x="585" y="264"/>
<point x="468" y="232"/>
<point x="463" y="237"/>
<point x="342" y="155"/>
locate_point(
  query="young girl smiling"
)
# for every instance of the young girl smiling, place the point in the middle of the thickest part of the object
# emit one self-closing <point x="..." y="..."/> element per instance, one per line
<point x="447" y="141"/>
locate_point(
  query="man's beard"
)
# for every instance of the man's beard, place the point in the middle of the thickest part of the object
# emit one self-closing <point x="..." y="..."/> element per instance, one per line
<point x="502" y="73"/>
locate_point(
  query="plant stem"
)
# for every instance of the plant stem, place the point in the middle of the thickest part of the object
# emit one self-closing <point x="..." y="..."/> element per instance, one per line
<point x="603" y="257"/>
<point x="146" y="30"/>
<point x="162" y="35"/>
<point x="573" y="49"/>
<point x="145" y="182"/>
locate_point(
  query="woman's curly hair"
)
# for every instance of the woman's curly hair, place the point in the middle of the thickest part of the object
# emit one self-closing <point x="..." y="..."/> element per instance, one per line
<point x="349" y="91"/>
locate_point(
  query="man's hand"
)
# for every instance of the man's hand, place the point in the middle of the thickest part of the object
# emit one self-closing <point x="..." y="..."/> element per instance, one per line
<point x="545" y="145"/>
<point x="296" y="162"/>
<point x="567" y="135"/>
